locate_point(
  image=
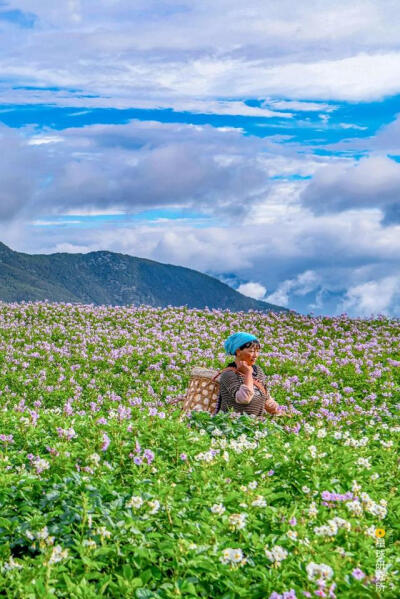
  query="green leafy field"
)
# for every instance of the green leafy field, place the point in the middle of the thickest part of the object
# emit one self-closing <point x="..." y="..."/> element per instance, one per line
<point x="106" y="491"/>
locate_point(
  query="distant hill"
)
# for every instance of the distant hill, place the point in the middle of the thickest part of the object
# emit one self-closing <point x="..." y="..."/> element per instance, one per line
<point x="116" y="279"/>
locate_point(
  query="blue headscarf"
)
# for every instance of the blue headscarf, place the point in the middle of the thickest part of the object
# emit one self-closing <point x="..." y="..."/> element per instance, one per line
<point x="235" y="340"/>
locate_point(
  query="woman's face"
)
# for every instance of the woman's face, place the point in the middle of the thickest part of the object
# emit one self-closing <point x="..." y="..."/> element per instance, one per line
<point x="248" y="354"/>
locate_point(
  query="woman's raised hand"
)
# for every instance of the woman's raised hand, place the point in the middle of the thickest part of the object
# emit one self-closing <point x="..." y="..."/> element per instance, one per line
<point x="244" y="368"/>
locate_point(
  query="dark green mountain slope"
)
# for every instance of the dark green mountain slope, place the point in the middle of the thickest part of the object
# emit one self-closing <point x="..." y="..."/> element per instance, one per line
<point x="116" y="279"/>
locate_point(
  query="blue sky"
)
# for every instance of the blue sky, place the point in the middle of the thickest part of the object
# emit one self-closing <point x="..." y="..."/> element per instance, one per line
<point x="258" y="142"/>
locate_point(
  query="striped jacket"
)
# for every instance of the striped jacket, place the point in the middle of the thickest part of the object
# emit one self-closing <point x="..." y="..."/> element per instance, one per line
<point x="236" y="396"/>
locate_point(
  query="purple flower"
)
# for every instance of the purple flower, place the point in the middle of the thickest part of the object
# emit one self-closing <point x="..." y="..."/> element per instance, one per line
<point x="289" y="594"/>
<point x="293" y="521"/>
<point x="358" y="574"/>
<point x="275" y="595"/>
<point x="138" y="460"/>
<point x="271" y="472"/>
<point x="106" y="442"/>
<point x="183" y="457"/>
<point x="6" y="438"/>
<point x="68" y="409"/>
<point x="148" y="455"/>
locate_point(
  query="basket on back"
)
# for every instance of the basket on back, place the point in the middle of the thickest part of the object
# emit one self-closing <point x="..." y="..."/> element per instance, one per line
<point x="203" y="390"/>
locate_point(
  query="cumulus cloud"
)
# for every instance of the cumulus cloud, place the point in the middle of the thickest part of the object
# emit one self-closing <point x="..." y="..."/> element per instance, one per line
<point x="201" y="50"/>
<point x="303" y="284"/>
<point x="21" y="173"/>
<point x="373" y="182"/>
<point x="253" y="289"/>
<point x="131" y="167"/>
<point x="324" y="256"/>
<point x="373" y="297"/>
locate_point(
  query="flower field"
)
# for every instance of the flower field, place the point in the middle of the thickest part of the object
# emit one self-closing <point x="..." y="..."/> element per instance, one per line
<point x="106" y="491"/>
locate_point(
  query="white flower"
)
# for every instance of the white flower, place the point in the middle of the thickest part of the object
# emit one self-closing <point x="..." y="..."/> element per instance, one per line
<point x="135" y="502"/>
<point x="355" y="507"/>
<point x="259" y="501"/>
<point x="276" y="554"/>
<point x="331" y="528"/>
<point x="154" y="506"/>
<point x="313" y="451"/>
<point x="337" y="435"/>
<point x="232" y="556"/>
<point x="376" y="510"/>
<point x="225" y="456"/>
<point x="42" y="534"/>
<point x="356" y="488"/>
<point x="305" y="489"/>
<point x="40" y="465"/>
<point x="253" y="484"/>
<point x="217" y="508"/>
<point x="321" y="433"/>
<point x="237" y="521"/>
<point x="217" y="432"/>
<point x="89" y="543"/>
<point x="95" y="458"/>
<point x="364" y="462"/>
<point x="374" y="476"/>
<point x="292" y="534"/>
<point x="58" y="554"/>
<point x="316" y="571"/>
<point x="370" y="531"/>
<point x="103" y="532"/>
<point x="11" y="565"/>
<point x="313" y="510"/>
<point x="387" y="443"/>
<point x="326" y="530"/>
<point x="341" y="523"/>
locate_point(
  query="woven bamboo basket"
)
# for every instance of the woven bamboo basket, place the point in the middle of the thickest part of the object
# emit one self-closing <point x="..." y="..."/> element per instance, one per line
<point x="203" y="390"/>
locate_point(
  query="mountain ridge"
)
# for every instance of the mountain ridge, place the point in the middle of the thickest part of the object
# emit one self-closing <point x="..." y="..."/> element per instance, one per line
<point x="104" y="277"/>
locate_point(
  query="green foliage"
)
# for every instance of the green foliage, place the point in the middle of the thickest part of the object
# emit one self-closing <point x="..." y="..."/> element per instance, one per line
<point x="107" y="490"/>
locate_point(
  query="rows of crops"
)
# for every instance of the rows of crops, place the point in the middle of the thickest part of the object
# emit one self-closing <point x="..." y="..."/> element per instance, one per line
<point x="107" y="492"/>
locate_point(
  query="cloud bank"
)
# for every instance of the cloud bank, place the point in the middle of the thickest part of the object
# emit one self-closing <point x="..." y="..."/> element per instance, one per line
<point x="265" y="156"/>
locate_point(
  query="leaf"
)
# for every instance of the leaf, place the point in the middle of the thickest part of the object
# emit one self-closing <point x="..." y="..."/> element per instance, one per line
<point x="144" y="593"/>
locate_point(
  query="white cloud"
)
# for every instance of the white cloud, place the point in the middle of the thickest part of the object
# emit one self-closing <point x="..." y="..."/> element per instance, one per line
<point x="298" y="106"/>
<point x="307" y="262"/>
<point x="303" y="284"/>
<point x="105" y="169"/>
<point x="372" y="297"/>
<point x="253" y="289"/>
<point x="38" y="140"/>
<point x="169" y="54"/>
<point x="373" y="182"/>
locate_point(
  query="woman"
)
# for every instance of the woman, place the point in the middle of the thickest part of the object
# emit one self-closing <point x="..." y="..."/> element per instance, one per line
<point x="244" y="390"/>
